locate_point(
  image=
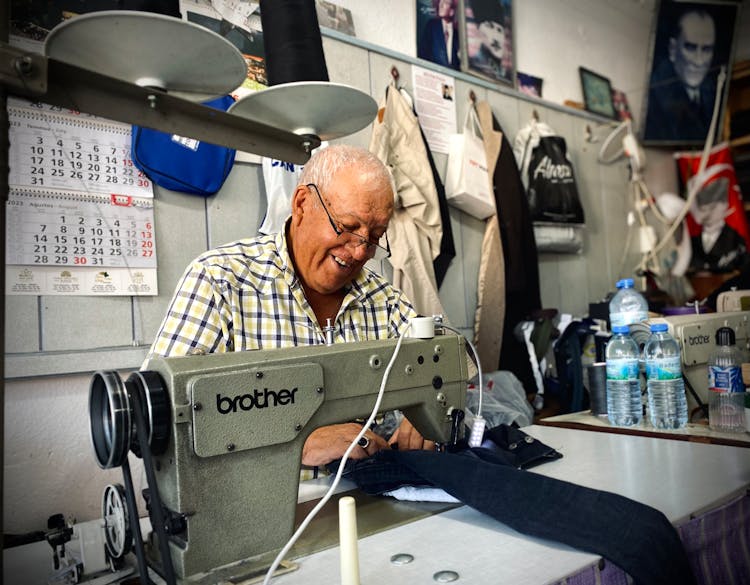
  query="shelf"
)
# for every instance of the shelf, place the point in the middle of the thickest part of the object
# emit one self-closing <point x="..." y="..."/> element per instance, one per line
<point x="741" y="70"/>
<point x="738" y="101"/>
<point x="741" y="141"/>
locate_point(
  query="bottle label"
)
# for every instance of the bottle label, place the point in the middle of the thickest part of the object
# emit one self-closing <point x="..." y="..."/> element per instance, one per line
<point x="627" y="317"/>
<point x="664" y="368"/>
<point x="622" y="369"/>
<point x="725" y="379"/>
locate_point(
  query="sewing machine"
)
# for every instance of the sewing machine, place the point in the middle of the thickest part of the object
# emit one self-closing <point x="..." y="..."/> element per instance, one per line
<point x="696" y="335"/>
<point x="226" y="432"/>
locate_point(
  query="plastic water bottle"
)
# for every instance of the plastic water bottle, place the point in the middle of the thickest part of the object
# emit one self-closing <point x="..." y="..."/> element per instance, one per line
<point x="667" y="404"/>
<point x="726" y="392"/>
<point x="628" y="306"/>
<point x="624" y="407"/>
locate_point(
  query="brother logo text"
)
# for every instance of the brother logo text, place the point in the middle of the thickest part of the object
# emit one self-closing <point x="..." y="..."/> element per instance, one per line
<point x="258" y="399"/>
<point x="698" y="339"/>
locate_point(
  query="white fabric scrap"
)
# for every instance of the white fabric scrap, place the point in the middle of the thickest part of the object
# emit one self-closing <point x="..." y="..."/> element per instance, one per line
<point x="422" y="494"/>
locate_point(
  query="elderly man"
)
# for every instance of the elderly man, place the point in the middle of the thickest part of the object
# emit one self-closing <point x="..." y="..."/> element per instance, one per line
<point x="299" y="286"/>
<point x="682" y="94"/>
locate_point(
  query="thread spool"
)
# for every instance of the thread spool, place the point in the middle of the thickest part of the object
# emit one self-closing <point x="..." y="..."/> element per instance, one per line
<point x="348" y="541"/>
<point x="422" y="328"/>
<point x="598" y="388"/>
<point x="292" y="41"/>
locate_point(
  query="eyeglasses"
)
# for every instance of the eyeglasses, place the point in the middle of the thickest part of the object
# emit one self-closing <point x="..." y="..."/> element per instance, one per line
<point x="375" y="249"/>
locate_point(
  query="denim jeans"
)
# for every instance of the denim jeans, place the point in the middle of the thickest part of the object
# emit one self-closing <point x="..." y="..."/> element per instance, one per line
<point x="636" y="537"/>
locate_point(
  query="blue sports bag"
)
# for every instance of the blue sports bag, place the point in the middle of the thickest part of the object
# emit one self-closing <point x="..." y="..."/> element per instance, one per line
<point x="183" y="164"/>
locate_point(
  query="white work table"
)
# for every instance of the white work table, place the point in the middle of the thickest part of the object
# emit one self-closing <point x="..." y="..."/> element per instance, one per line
<point x="679" y="478"/>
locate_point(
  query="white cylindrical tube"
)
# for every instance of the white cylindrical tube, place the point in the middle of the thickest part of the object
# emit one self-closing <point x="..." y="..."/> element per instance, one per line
<point x="348" y="541"/>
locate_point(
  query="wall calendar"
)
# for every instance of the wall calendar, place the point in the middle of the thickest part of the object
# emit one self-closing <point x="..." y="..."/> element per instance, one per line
<point x="56" y="149"/>
<point x="79" y="215"/>
<point x="55" y="229"/>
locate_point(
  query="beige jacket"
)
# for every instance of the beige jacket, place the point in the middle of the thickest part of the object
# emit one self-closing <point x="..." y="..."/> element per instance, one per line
<point x="490" y="313"/>
<point x="416" y="228"/>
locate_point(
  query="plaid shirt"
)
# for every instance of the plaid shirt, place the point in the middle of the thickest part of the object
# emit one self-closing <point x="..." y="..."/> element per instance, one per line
<point x="245" y="295"/>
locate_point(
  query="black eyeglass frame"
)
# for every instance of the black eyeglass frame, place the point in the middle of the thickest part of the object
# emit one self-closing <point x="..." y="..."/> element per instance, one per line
<point x="380" y="253"/>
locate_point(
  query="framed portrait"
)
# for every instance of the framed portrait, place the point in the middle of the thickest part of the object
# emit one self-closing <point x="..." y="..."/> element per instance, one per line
<point x="597" y="94"/>
<point x="529" y="84"/>
<point x="622" y="107"/>
<point x="488" y="48"/>
<point x="691" y="42"/>
<point x="334" y="16"/>
<point x="438" y="36"/>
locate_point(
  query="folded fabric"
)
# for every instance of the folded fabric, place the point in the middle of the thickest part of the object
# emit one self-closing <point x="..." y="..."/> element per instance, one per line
<point x="637" y="538"/>
<point x="519" y="448"/>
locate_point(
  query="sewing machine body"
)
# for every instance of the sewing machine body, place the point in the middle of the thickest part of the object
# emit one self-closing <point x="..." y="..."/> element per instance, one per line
<point x="239" y="422"/>
<point x="696" y="335"/>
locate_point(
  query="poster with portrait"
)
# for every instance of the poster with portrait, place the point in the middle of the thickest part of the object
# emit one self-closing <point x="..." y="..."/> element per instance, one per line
<point x="331" y="15"/>
<point x="488" y="39"/>
<point x="691" y="43"/>
<point x="438" y="39"/>
<point x="717" y="225"/>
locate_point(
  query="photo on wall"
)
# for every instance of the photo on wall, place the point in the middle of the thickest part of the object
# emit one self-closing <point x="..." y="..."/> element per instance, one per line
<point x="622" y="107"/>
<point x="438" y="38"/>
<point x="336" y="17"/>
<point x="717" y="225"/>
<point x="691" y="43"/>
<point x="597" y="93"/>
<point x="529" y="84"/>
<point x="488" y="39"/>
<point x="248" y="41"/>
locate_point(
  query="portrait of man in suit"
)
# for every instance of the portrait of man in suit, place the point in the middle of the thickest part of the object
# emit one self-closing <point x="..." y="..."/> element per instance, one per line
<point x="489" y="39"/>
<point x="693" y="41"/>
<point x="438" y="39"/>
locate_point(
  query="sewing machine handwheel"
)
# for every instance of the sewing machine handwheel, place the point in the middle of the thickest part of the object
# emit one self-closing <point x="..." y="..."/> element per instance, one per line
<point x="109" y="419"/>
<point x="118" y="537"/>
<point x="156" y="410"/>
<point x="112" y="420"/>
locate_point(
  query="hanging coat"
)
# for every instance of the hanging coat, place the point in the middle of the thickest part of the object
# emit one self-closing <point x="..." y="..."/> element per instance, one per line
<point x="415" y="230"/>
<point x="490" y="312"/>
<point x="522" y="289"/>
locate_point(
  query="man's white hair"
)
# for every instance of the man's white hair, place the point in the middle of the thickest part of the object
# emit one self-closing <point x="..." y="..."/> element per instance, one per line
<point x="327" y="162"/>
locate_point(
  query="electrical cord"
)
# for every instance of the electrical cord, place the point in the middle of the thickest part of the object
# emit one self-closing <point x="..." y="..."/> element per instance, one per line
<point x="337" y="478"/>
<point x="478" y="425"/>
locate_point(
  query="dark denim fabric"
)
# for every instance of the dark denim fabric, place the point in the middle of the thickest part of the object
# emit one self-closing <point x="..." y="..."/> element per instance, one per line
<point x="637" y="538"/>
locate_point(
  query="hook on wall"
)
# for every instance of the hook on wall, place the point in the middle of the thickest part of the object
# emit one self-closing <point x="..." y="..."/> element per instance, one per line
<point x="472" y="97"/>
<point x="395" y="74"/>
<point x="535" y="115"/>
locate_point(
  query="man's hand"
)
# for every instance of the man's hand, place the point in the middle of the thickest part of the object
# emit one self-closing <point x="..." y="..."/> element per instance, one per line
<point x="408" y="438"/>
<point x="329" y="443"/>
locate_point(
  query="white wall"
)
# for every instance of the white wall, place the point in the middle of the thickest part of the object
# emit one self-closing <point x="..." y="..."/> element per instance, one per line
<point x="552" y="39"/>
<point x="49" y="467"/>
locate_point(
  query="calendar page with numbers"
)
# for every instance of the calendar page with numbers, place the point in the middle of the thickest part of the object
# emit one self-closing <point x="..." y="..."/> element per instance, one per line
<point x="51" y="148"/>
<point x="70" y="232"/>
<point x="79" y="215"/>
<point x="56" y="229"/>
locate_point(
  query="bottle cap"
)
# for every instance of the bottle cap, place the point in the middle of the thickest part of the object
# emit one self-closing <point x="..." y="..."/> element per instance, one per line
<point x="658" y="327"/>
<point x="725" y="336"/>
<point x="620" y="329"/>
